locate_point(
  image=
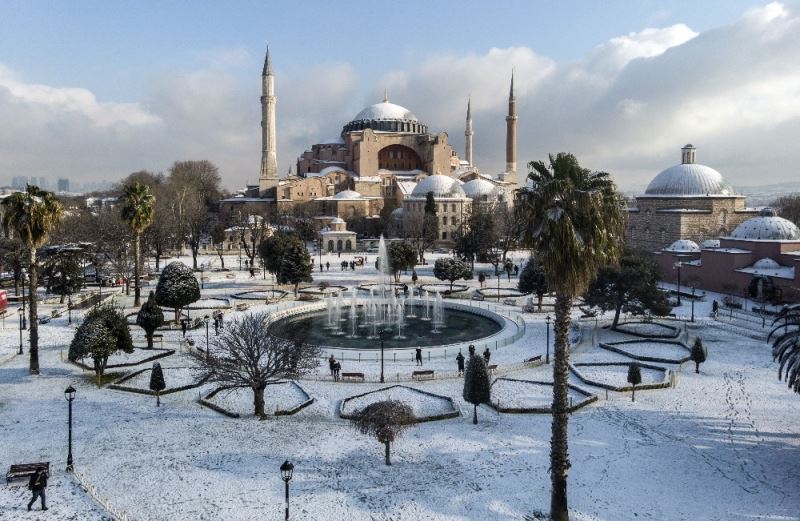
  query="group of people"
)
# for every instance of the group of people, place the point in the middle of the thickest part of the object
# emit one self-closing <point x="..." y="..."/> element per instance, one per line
<point x="218" y="323"/>
<point x="460" y="358"/>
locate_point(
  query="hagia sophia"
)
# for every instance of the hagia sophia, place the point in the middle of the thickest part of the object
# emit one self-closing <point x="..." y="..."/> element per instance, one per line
<point x="386" y="160"/>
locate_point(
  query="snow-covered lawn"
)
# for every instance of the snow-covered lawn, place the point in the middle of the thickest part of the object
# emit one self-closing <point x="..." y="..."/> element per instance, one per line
<point x="423" y="404"/>
<point x="518" y="394"/>
<point x="173" y="377"/>
<point x="649" y="329"/>
<point x="278" y="397"/>
<point x="137" y="357"/>
<point x="664" y="350"/>
<point x="617" y="375"/>
<point x="718" y="447"/>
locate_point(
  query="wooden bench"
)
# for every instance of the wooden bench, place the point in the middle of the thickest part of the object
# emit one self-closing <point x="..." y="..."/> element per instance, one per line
<point x="26" y="470"/>
<point x="492" y="368"/>
<point x="510" y="301"/>
<point x="355" y="377"/>
<point x="422" y="375"/>
<point x="242" y="307"/>
<point x="230" y="275"/>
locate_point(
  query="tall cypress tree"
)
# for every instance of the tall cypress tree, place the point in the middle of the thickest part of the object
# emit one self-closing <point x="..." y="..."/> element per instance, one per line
<point x="150" y="318"/>
<point x="157" y="383"/>
<point x="477" y="386"/>
<point x="296" y="266"/>
<point x="634" y="378"/>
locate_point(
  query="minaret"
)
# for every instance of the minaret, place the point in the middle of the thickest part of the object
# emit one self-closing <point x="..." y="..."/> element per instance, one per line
<point x="268" y="179"/>
<point x="511" y="134"/>
<point x="468" y="132"/>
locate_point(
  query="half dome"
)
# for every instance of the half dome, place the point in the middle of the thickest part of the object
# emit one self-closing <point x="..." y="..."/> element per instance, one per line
<point x="440" y="185"/>
<point x="767" y="227"/>
<point x="766" y="264"/>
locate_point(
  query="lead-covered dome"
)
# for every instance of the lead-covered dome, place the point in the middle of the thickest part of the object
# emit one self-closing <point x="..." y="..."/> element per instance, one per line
<point x="683" y="246"/>
<point x="767" y="227"/>
<point x="480" y="189"/>
<point x="440" y="185"/>
<point x="386" y="117"/>
<point x="689" y="179"/>
<point x="348" y="194"/>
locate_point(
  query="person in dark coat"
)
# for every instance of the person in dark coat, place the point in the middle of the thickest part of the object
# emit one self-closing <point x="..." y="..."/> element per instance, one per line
<point x="37" y="485"/>
<point x="419" y="356"/>
<point x="471" y="350"/>
<point x="487" y="355"/>
<point x="337" y="367"/>
<point x="460" y="362"/>
<point x="216" y="325"/>
<point x="332" y="365"/>
<point x="183" y="327"/>
<point x="327" y="266"/>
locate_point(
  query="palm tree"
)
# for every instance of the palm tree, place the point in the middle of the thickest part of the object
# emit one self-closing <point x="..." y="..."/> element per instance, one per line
<point x="572" y="218"/>
<point x="32" y="215"/>
<point x="138" y="210"/>
<point x="786" y="346"/>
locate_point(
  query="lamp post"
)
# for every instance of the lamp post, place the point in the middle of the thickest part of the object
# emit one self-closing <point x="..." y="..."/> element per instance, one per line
<point x="286" y="475"/>
<point x="547" y="356"/>
<point x="24" y="318"/>
<point x="381" y="334"/>
<point x="693" y="290"/>
<point x="21" y="316"/>
<point x="69" y="306"/>
<point x="202" y="267"/>
<point x="498" y="286"/>
<point x="205" y="319"/>
<point x="677" y="266"/>
<point x="69" y="394"/>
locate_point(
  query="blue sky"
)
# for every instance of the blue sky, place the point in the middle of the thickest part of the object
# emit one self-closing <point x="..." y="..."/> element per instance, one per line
<point x="164" y="81"/>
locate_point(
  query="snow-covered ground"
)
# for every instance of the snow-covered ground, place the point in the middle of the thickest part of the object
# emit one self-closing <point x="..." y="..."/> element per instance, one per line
<point x="424" y="405"/>
<point x="277" y="397"/>
<point x="719" y="446"/>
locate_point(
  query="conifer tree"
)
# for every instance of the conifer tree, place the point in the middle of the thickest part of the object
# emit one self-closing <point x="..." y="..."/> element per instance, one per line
<point x="477" y="386"/>
<point x="699" y="354"/>
<point x="150" y="318"/>
<point x="157" y="383"/>
<point x="102" y="333"/>
<point x="296" y="266"/>
<point x="634" y="378"/>
<point x="177" y="287"/>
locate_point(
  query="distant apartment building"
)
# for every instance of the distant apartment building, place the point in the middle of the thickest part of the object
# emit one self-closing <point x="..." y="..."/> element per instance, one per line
<point x="63" y="184"/>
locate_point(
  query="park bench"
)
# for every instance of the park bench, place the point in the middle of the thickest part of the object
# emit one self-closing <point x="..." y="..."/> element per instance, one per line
<point x="510" y="301"/>
<point x="241" y="307"/>
<point x="533" y="360"/>
<point x="25" y="470"/>
<point x="355" y="377"/>
<point x="422" y="375"/>
<point x="230" y="275"/>
<point x="478" y="297"/>
<point x="492" y="368"/>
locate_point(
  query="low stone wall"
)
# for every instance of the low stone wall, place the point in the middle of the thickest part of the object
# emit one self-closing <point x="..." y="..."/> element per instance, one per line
<point x="665" y="384"/>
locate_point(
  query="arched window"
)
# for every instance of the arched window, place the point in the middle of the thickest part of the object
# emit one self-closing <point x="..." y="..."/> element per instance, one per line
<point x="348" y="245"/>
<point x="339" y="245"/>
<point x="444" y="236"/>
<point x="453" y="220"/>
<point x="444" y="220"/>
<point x="723" y="217"/>
<point x="330" y="245"/>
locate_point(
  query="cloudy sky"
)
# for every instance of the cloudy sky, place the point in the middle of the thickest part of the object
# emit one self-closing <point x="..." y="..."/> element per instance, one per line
<point x="95" y="90"/>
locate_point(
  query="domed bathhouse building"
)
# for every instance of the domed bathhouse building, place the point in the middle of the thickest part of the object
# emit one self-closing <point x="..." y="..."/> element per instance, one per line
<point x="452" y="207"/>
<point x="686" y="201"/>
<point x="760" y="259"/>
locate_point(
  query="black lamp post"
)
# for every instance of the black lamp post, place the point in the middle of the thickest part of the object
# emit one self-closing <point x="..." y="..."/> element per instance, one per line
<point x="381" y="334"/>
<point x="286" y="475"/>
<point x="202" y="267"/>
<point x="24" y="317"/>
<point x="69" y="394"/>
<point x="498" y="286"/>
<point x="547" y="356"/>
<point x="21" y="315"/>
<point x="69" y="306"/>
<point x="693" y="290"/>
<point x="205" y="319"/>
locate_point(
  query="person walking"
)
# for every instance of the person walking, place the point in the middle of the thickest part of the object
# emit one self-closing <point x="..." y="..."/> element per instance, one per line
<point x="337" y="367"/>
<point x="487" y="355"/>
<point x="332" y="365"/>
<point x="37" y="485"/>
<point x="419" y="356"/>
<point x="471" y="349"/>
<point x="216" y="325"/>
<point x="327" y="266"/>
<point x="221" y="320"/>
<point x="183" y="327"/>
<point x="460" y="362"/>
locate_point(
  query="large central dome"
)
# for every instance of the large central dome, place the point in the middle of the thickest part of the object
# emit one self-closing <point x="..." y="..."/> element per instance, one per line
<point x="689" y="179"/>
<point x="386" y="117"/>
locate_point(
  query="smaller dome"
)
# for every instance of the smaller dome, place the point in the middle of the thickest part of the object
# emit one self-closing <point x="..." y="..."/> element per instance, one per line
<point x="480" y="189"/>
<point x="348" y="194"/>
<point x="710" y="243"/>
<point x="766" y="264"/>
<point x="337" y="220"/>
<point x="397" y="214"/>
<point x="440" y="185"/>
<point x="330" y="169"/>
<point x="767" y="227"/>
<point x="683" y="246"/>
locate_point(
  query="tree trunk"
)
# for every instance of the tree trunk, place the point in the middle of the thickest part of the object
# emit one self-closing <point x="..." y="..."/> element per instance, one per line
<point x="559" y="454"/>
<point x="540" y="298"/>
<point x="195" y="247"/>
<point x="177" y="316"/>
<point x="475" y="414"/>
<point x="33" y="324"/>
<point x="697" y="367"/>
<point x="616" y="316"/>
<point x="158" y="259"/>
<point x="137" y="267"/>
<point x="258" y="400"/>
<point x="387" y="452"/>
<point x="221" y="258"/>
<point x="158" y="398"/>
<point x="149" y="335"/>
<point x="633" y="393"/>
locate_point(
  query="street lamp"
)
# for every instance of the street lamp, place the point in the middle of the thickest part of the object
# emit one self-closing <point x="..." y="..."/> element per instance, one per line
<point x="286" y="475"/>
<point x="69" y="394"/>
<point x="547" y="356"/>
<point x="381" y="334"/>
<point x="202" y="267"/>
<point x="21" y="316"/>
<point x="677" y="266"/>
<point x="69" y="306"/>
<point x="205" y="319"/>
<point x="498" y="286"/>
<point x="693" y="290"/>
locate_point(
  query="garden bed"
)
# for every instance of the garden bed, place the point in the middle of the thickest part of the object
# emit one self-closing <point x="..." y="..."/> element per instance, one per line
<point x="262" y="295"/>
<point x="444" y="289"/>
<point x="140" y="355"/>
<point x="176" y="378"/>
<point x="514" y="396"/>
<point x="210" y="303"/>
<point x="648" y="329"/>
<point x="614" y="375"/>
<point x="502" y="293"/>
<point x="659" y="351"/>
<point x="426" y="406"/>
<point x="282" y="398"/>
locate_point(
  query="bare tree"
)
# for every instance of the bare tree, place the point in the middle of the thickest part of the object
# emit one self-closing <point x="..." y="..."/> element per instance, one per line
<point x="245" y="355"/>
<point x="252" y="229"/>
<point x="386" y="420"/>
